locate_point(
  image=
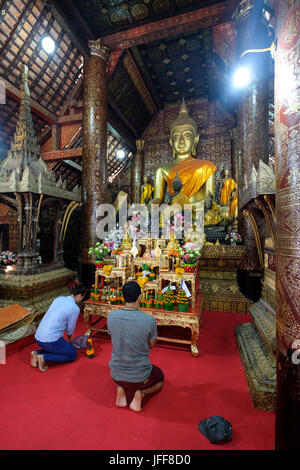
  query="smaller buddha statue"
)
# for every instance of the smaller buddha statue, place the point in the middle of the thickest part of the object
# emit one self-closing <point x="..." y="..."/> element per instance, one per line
<point x="207" y="243"/>
<point x="157" y="250"/>
<point x="146" y="191"/>
<point x="228" y="185"/>
<point x="233" y="207"/>
<point x="211" y="212"/>
<point x="173" y="244"/>
<point x="126" y="242"/>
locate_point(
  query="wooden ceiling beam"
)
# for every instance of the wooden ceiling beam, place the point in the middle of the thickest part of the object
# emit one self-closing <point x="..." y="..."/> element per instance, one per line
<point x="71" y="119"/>
<point x="16" y="25"/>
<point x="59" y="155"/>
<point x="179" y="24"/>
<point x="76" y="91"/>
<point x="77" y="34"/>
<point x="36" y="108"/>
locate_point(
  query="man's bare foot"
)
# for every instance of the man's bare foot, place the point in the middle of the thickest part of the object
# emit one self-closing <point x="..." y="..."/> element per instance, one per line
<point x="136" y="404"/>
<point x="41" y="362"/>
<point x="34" y="359"/>
<point x="121" y="400"/>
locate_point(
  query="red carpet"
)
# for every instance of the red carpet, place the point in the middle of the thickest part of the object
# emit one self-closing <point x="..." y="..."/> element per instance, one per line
<point x="71" y="406"/>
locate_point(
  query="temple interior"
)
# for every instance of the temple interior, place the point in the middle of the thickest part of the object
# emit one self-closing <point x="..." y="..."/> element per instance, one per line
<point x="183" y="105"/>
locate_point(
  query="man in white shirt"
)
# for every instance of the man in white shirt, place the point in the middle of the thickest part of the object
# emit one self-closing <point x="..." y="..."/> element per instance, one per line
<point x="61" y="316"/>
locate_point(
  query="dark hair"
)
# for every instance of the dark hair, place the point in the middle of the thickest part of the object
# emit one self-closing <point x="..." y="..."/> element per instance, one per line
<point x="131" y="291"/>
<point x="78" y="289"/>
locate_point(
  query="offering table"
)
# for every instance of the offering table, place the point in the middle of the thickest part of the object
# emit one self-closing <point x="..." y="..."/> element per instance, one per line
<point x="190" y="319"/>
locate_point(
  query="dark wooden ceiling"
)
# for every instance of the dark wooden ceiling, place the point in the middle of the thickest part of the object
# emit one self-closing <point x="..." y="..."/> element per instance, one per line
<point x="178" y="48"/>
<point x="109" y="16"/>
<point x="178" y="66"/>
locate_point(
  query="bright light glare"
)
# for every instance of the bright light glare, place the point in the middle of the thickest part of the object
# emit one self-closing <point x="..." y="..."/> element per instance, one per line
<point x="48" y="44"/>
<point x="241" y="77"/>
<point x="120" y="154"/>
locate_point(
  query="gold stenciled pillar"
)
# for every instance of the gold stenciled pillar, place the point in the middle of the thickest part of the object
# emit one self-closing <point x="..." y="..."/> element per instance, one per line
<point x="253" y="109"/>
<point x="137" y="167"/>
<point x="94" y="159"/>
<point x="287" y="156"/>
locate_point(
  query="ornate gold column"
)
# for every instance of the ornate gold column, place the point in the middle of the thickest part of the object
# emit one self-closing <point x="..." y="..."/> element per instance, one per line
<point x="287" y="155"/>
<point x="137" y="167"/>
<point x="94" y="159"/>
<point x="253" y="108"/>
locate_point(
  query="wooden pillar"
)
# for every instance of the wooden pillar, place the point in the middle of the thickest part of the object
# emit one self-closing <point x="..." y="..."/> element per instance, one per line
<point x="253" y="109"/>
<point x="94" y="153"/>
<point x="287" y="156"/>
<point x="55" y="137"/>
<point x="137" y="167"/>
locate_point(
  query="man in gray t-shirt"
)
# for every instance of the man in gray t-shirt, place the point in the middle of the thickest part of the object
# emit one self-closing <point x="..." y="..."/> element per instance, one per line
<point x="133" y="334"/>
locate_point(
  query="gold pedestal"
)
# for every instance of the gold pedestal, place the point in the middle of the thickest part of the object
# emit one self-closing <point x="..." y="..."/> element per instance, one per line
<point x="34" y="291"/>
<point x="218" y="267"/>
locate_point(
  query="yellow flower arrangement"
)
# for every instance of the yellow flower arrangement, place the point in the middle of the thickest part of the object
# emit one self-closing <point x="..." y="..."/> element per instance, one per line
<point x="142" y="281"/>
<point x="180" y="272"/>
<point x="107" y="269"/>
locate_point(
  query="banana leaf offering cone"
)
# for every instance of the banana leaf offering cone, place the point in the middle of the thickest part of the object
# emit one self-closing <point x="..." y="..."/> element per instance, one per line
<point x="169" y="301"/>
<point x="182" y="301"/>
<point x="90" y="352"/>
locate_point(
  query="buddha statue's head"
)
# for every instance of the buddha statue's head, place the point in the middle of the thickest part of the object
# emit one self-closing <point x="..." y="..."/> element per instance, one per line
<point x="224" y="173"/>
<point x="145" y="179"/>
<point x="183" y="134"/>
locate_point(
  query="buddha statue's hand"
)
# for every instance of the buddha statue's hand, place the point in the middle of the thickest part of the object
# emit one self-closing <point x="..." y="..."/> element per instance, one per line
<point x="180" y="199"/>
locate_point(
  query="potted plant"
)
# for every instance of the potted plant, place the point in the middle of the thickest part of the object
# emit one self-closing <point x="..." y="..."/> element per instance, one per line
<point x="233" y="238"/>
<point x="143" y="299"/>
<point x="190" y="253"/>
<point x="99" y="252"/>
<point x="7" y="258"/>
<point x="148" y="301"/>
<point x="152" y="275"/>
<point x="96" y="294"/>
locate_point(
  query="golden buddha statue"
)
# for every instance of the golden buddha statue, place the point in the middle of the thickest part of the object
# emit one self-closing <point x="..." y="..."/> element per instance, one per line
<point x="196" y="176"/>
<point x="173" y="244"/>
<point x="212" y="216"/>
<point x="126" y="242"/>
<point x="146" y="191"/>
<point x="227" y="188"/>
<point x="233" y="207"/>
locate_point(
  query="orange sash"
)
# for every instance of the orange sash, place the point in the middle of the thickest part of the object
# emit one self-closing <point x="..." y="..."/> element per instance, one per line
<point x="193" y="173"/>
<point x="233" y="206"/>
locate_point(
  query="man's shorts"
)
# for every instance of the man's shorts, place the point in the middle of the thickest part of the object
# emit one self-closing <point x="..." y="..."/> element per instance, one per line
<point x="155" y="377"/>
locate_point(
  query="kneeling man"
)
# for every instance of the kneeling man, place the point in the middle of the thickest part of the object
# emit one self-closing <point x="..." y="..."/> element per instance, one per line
<point x="61" y="316"/>
<point x="133" y="334"/>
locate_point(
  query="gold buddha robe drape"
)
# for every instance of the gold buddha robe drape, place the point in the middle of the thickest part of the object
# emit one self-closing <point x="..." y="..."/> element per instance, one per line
<point x="193" y="173"/>
<point x="227" y="189"/>
<point x="233" y="206"/>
